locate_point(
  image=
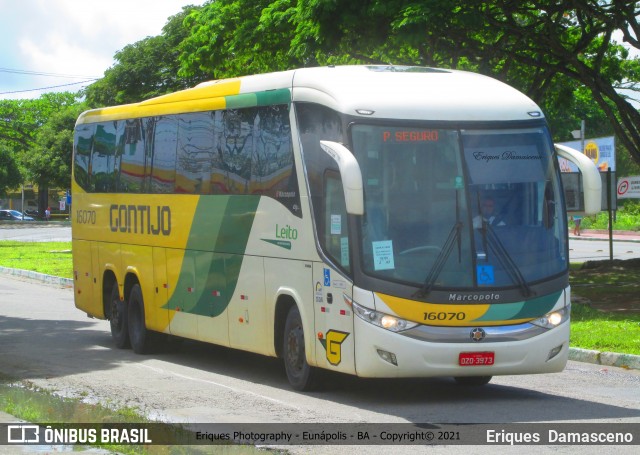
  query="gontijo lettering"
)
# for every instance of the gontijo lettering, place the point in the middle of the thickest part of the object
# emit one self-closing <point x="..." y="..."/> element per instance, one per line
<point x="140" y="219"/>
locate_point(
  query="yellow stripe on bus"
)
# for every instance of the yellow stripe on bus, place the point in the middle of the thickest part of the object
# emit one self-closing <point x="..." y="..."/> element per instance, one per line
<point x="443" y="314"/>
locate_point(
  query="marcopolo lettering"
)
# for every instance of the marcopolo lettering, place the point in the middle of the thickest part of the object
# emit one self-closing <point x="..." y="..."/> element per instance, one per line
<point x="140" y="219"/>
<point x="455" y="297"/>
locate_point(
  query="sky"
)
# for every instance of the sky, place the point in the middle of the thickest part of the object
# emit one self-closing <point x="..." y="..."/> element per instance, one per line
<point x="71" y="41"/>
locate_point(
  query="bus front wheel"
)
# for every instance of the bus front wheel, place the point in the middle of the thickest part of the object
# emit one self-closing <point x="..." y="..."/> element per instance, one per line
<point x="118" y="319"/>
<point x="300" y="374"/>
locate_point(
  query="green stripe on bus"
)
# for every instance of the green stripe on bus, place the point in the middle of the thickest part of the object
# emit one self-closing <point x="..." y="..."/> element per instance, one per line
<point x="529" y="309"/>
<point x="267" y="98"/>
<point x="216" y="246"/>
<point x="240" y="101"/>
<point x="281" y="96"/>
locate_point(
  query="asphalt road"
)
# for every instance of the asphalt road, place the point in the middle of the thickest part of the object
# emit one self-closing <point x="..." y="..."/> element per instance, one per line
<point x="38" y="232"/>
<point x="597" y="250"/>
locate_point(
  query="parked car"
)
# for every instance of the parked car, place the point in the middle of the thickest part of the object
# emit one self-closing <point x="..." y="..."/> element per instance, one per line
<point x="13" y="215"/>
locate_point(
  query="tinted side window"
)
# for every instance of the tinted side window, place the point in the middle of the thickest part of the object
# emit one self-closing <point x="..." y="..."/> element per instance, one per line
<point x="103" y="157"/>
<point x="195" y="153"/>
<point x="273" y="167"/>
<point x="317" y="123"/>
<point x="237" y="147"/>
<point x="83" y="141"/>
<point x="165" y="145"/>
<point x="133" y="158"/>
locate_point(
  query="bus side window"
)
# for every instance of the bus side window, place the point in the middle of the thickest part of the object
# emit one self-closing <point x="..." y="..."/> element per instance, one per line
<point x="195" y="150"/>
<point x="83" y="142"/>
<point x="132" y="158"/>
<point x="163" y="161"/>
<point x="103" y="158"/>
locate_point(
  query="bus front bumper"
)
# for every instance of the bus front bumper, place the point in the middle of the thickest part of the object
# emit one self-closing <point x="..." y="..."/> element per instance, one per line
<point x="385" y="354"/>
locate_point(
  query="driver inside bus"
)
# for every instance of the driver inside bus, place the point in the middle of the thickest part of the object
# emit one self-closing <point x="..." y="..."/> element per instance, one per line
<point x="488" y="214"/>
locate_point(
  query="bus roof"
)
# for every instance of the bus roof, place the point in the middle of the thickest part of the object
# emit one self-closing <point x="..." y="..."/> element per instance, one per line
<point x="398" y="92"/>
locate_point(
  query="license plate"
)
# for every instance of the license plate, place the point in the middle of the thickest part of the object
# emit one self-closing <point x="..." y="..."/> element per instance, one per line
<point x="471" y="359"/>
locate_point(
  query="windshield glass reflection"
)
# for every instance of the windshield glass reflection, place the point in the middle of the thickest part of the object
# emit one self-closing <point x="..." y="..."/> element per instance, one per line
<point x="459" y="209"/>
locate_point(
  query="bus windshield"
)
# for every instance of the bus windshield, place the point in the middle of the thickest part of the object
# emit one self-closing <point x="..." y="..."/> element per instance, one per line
<point x="450" y="208"/>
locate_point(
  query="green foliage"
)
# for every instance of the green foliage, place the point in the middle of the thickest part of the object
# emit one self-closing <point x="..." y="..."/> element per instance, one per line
<point x="30" y="140"/>
<point x="239" y="37"/>
<point x="560" y="53"/>
<point x="20" y="119"/>
<point x="627" y="218"/>
<point x="48" y="162"/>
<point x="10" y="176"/>
<point x="146" y="68"/>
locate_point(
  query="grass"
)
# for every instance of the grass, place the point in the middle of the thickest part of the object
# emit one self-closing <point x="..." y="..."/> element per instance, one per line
<point x="605" y="315"/>
<point x="34" y="404"/>
<point x="51" y="258"/>
<point x="607" y="332"/>
<point x="606" y="300"/>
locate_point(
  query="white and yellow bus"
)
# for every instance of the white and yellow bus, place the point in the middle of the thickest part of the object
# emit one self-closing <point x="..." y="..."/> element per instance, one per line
<point x="379" y="221"/>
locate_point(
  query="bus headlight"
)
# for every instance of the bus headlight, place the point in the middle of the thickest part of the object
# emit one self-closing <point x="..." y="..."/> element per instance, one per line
<point x="553" y="319"/>
<point x="386" y="321"/>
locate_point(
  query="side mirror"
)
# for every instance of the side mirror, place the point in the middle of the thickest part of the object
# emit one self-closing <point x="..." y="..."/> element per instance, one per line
<point x="591" y="182"/>
<point x="351" y="176"/>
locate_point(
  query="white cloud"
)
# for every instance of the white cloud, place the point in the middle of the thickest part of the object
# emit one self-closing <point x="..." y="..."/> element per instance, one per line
<point x="72" y="37"/>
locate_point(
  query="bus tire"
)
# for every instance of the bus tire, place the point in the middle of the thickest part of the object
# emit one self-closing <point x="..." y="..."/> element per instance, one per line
<point x="139" y="336"/>
<point x="300" y="374"/>
<point x="118" y="319"/>
<point x="473" y="380"/>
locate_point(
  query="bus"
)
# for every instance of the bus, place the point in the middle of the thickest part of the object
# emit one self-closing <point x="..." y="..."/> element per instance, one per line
<point x="378" y="221"/>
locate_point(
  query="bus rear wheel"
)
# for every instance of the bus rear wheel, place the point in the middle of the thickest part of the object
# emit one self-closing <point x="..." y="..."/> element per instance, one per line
<point x="118" y="319"/>
<point x="139" y="336"/>
<point x="473" y="380"/>
<point x="300" y="374"/>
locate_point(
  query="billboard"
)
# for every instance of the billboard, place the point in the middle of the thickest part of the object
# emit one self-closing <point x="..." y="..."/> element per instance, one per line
<point x="602" y="150"/>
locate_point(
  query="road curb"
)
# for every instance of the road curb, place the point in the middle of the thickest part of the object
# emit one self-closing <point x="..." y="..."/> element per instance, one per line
<point x="611" y="359"/>
<point x="48" y="279"/>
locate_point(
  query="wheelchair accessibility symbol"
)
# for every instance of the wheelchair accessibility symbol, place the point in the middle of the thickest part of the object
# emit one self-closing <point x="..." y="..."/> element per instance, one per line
<point x="485" y="274"/>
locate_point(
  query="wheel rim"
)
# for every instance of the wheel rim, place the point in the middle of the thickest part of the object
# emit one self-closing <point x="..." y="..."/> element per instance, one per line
<point x="295" y="351"/>
<point x="116" y="317"/>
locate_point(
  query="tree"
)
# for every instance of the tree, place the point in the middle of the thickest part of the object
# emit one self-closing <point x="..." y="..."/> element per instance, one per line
<point x="48" y="162"/>
<point x="538" y="46"/>
<point x="24" y="154"/>
<point x="146" y="68"/>
<point x="10" y="176"/>
<point x="546" y="48"/>
<point x="20" y="119"/>
<point x="230" y="38"/>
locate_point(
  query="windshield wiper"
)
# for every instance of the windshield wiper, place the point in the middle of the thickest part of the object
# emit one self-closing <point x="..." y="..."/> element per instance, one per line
<point x="441" y="260"/>
<point x="505" y="259"/>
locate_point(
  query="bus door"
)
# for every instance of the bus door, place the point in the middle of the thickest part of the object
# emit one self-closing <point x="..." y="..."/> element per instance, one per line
<point x="333" y="319"/>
